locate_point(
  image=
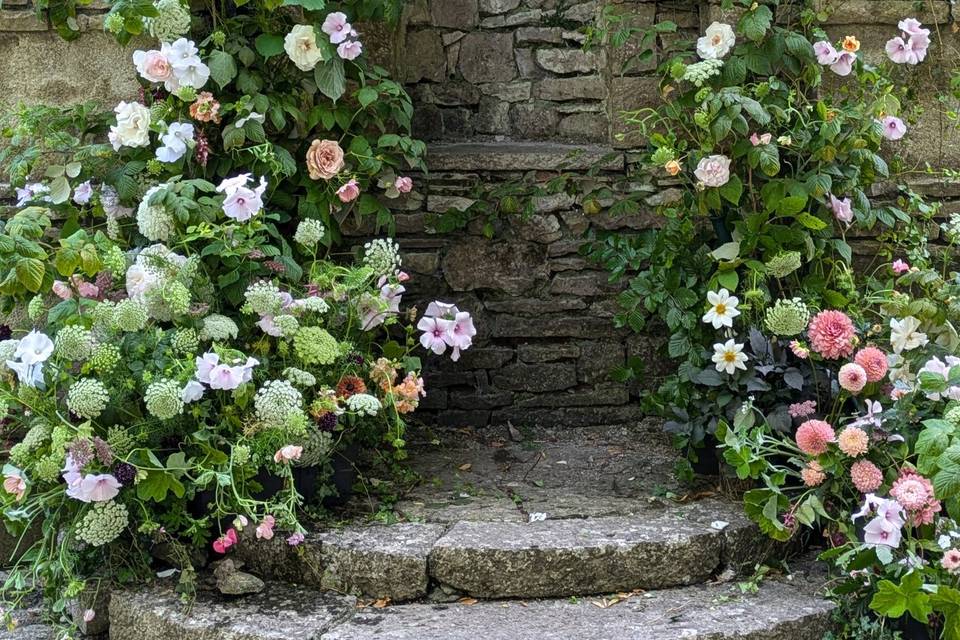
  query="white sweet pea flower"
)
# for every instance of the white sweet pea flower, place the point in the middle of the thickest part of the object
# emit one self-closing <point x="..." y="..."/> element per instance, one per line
<point x="723" y="309"/>
<point x="175" y="141"/>
<point x="252" y="117"/>
<point x="717" y="41"/>
<point x="729" y="356"/>
<point x="904" y="334"/>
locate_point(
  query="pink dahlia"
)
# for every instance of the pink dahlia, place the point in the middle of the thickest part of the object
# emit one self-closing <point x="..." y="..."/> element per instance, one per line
<point x="866" y="476"/>
<point x="853" y="441"/>
<point x="813" y="436"/>
<point x="951" y="560"/>
<point x="831" y="334"/>
<point x="915" y="494"/>
<point x="813" y="474"/>
<point x="852" y="377"/>
<point x="873" y="361"/>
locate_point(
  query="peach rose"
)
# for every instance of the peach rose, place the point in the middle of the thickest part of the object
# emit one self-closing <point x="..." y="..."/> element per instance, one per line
<point x="324" y="159"/>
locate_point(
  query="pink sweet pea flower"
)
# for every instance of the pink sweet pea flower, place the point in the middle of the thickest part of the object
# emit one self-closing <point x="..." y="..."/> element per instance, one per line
<point x="15" y="484"/>
<point x="337" y="27"/>
<point x="842" y="209"/>
<point x="460" y="334"/>
<point x="893" y="128"/>
<point x="224" y="542"/>
<point x="350" y="50"/>
<point x="403" y="184"/>
<point x="435" y="332"/>
<point x="900" y="267"/>
<point x="844" y="64"/>
<point x="296" y="539"/>
<point x="825" y="52"/>
<point x="757" y="140"/>
<point x="288" y="453"/>
<point x="349" y="191"/>
<point x="265" y="528"/>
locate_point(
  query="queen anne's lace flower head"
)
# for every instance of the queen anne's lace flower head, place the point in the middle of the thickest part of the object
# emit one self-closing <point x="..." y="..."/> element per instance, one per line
<point x="163" y="399"/>
<point x="784" y="263"/>
<point x="218" y="328"/>
<point x="102" y="523"/>
<point x="310" y="232"/>
<point x="315" y="346"/>
<point x="276" y="402"/>
<point x="154" y="221"/>
<point x="185" y="341"/>
<point x="699" y="72"/>
<point x="105" y="358"/>
<point x="787" y="317"/>
<point x="87" y="398"/>
<point x="364" y="404"/>
<point x="382" y="255"/>
<point x="299" y="377"/>
<point x="73" y="342"/>
<point x="130" y="316"/>
<point x="264" y="298"/>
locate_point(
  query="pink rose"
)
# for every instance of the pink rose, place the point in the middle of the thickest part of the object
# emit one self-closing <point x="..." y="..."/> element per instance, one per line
<point x="153" y="66"/>
<point x="403" y="184"/>
<point x="287" y="454"/>
<point x="713" y="171"/>
<point x="349" y="191"/>
<point x="324" y="159"/>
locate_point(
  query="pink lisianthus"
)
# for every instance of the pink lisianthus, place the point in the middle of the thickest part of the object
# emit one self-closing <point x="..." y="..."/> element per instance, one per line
<point x="265" y="528"/>
<point x="874" y="363"/>
<point x="852" y="378"/>
<point x="403" y="184"/>
<point x="893" y="128"/>
<point x="350" y="50"/>
<point x="842" y="209"/>
<point x="222" y="544"/>
<point x="349" y="192"/>
<point x="287" y="454"/>
<point x="813" y="436"/>
<point x="14" y="484"/>
<point x="831" y="334"/>
<point x="899" y="267"/>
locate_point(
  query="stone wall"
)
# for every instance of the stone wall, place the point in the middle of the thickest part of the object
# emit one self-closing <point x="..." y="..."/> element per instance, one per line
<point x="504" y="93"/>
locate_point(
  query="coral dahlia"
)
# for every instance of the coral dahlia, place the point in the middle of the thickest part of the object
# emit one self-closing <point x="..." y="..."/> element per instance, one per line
<point x="813" y="436"/>
<point x="873" y="361"/>
<point x="866" y="476"/>
<point x="831" y="334"/>
<point x="853" y="441"/>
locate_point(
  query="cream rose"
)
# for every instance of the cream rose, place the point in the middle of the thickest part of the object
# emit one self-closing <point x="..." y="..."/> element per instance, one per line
<point x="324" y="159"/>
<point x="301" y="46"/>
<point x="133" y="126"/>
<point x="713" y="171"/>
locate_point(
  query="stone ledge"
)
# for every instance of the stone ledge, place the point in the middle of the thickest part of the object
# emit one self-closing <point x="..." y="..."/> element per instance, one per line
<point x="521" y="156"/>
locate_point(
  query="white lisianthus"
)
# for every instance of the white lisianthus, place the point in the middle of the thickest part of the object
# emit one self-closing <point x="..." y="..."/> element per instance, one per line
<point x="301" y="46"/>
<point x="723" y="309"/>
<point x="133" y="126"/>
<point x="904" y="334"/>
<point x="729" y="356"/>
<point x="717" y="41"/>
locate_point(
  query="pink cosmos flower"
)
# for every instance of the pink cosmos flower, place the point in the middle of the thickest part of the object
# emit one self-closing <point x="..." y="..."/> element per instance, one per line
<point x="287" y="454"/>
<point x="844" y="64"/>
<point x="403" y="184"/>
<point x="831" y="334"/>
<point x="222" y="544"/>
<point x="900" y="267"/>
<point x="296" y="539"/>
<point x="951" y="560"/>
<point x="337" y="27"/>
<point x="350" y="50"/>
<point x="434" y="335"/>
<point x="61" y="289"/>
<point x="866" y="476"/>
<point x="825" y="52"/>
<point x="852" y="378"/>
<point x="874" y="363"/>
<point x="842" y="209"/>
<point x="802" y="409"/>
<point x="265" y="528"/>
<point x="853" y="441"/>
<point x="893" y="128"/>
<point x="813" y="436"/>
<point x="349" y="191"/>
<point x="460" y="334"/>
<point x="15" y="484"/>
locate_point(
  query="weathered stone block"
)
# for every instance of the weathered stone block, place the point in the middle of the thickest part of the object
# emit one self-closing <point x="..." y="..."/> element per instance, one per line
<point x="513" y="267"/>
<point x="589" y="283"/>
<point x="540" y="228"/>
<point x="567" y="61"/>
<point x="598" y="360"/>
<point x="447" y="94"/>
<point x="455" y="14"/>
<point x="487" y="57"/>
<point x="533" y="121"/>
<point x="514" y="19"/>
<point x="547" y="35"/>
<point x="507" y="91"/>
<point x="626" y="95"/>
<point x="885" y="11"/>
<point x="536" y="378"/>
<point x="538" y="353"/>
<point x="581" y="88"/>
<point x="589" y="127"/>
<point x="423" y="57"/>
<point x="498" y="6"/>
<point x="493" y="117"/>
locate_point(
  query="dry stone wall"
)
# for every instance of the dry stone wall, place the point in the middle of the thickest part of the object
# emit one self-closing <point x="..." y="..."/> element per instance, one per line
<point x="505" y="93"/>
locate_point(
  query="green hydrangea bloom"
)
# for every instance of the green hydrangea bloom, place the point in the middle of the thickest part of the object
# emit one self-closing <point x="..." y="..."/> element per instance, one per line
<point x="299" y="377"/>
<point x="185" y="341"/>
<point x="73" y="342"/>
<point x="130" y="316"/>
<point x="309" y="232"/>
<point x="218" y="328"/>
<point x="276" y="402"/>
<point x="163" y="399"/>
<point x="172" y="22"/>
<point x="787" y="317"/>
<point x="36" y="308"/>
<point x="115" y="261"/>
<point x="87" y="398"/>
<point x="315" y="346"/>
<point x="105" y="358"/>
<point x="784" y="263"/>
<point x="103" y="523"/>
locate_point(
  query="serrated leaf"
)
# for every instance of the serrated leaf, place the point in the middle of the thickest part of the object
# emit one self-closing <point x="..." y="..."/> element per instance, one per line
<point x="268" y="45"/>
<point x="223" y="68"/>
<point x="330" y="78"/>
<point x="30" y="273"/>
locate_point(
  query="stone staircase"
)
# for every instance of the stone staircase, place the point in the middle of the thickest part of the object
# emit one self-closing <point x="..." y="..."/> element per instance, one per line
<point x="568" y="534"/>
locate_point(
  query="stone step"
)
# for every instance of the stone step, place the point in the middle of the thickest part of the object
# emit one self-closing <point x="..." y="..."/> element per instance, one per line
<point x="657" y="546"/>
<point x="780" y="610"/>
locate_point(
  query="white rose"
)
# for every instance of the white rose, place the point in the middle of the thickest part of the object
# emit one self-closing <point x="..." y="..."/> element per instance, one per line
<point x="713" y="171"/>
<point x="133" y="126"/>
<point x="301" y="45"/>
<point x="716" y="42"/>
<point x="139" y="280"/>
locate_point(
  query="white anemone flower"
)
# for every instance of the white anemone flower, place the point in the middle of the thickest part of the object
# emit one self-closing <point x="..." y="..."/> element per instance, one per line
<point x="729" y="356"/>
<point x="723" y="309"/>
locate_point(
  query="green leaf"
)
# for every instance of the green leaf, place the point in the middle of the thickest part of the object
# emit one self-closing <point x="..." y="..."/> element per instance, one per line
<point x="947" y="481"/>
<point x="330" y="78"/>
<point x="811" y="221"/>
<point x="947" y="602"/>
<point x="30" y="273"/>
<point x="727" y="251"/>
<point x="367" y="96"/>
<point x="732" y="191"/>
<point x="755" y="24"/>
<point x="309" y="5"/>
<point x="268" y="45"/>
<point x="59" y="190"/>
<point x="791" y="205"/>
<point x="892" y="600"/>
<point x="223" y="68"/>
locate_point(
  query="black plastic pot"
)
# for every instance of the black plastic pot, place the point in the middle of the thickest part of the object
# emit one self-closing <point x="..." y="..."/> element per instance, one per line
<point x="913" y="629"/>
<point x="344" y="475"/>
